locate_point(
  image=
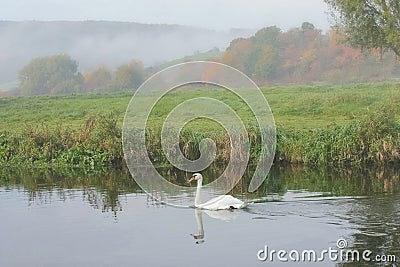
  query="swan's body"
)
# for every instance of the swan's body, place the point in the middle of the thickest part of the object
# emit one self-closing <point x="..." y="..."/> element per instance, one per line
<point x="218" y="203"/>
<point x="224" y="202"/>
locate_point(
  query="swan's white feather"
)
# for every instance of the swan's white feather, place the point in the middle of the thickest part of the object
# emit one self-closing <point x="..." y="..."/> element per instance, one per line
<point x="223" y="203"/>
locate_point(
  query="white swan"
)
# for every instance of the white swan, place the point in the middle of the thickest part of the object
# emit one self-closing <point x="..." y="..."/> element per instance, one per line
<point x="219" y="203"/>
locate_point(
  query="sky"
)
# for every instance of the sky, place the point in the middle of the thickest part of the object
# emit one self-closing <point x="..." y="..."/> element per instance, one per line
<point x="211" y="14"/>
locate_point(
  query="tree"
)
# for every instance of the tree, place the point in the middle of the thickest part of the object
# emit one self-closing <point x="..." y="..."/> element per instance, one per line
<point x="306" y="26"/>
<point x="265" y="44"/>
<point x="267" y="63"/>
<point x="267" y="36"/>
<point x="130" y="76"/>
<point x="98" y="80"/>
<point x="50" y="75"/>
<point x="369" y="24"/>
<point x="236" y="55"/>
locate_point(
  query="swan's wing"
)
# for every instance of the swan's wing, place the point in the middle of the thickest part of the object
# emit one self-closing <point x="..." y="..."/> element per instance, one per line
<point x="222" y="203"/>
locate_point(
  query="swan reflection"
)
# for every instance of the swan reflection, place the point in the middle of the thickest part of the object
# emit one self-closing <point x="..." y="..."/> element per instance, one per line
<point x="223" y="215"/>
<point x="199" y="220"/>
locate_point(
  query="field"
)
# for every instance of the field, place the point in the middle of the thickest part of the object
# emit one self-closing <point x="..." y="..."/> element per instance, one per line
<point x="318" y="125"/>
<point x="297" y="107"/>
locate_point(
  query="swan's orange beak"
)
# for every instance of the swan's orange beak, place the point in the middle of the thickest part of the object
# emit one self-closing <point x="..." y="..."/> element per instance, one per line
<point x="191" y="179"/>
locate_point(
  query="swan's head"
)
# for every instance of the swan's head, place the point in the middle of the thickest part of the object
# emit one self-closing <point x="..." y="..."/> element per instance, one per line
<point x="196" y="176"/>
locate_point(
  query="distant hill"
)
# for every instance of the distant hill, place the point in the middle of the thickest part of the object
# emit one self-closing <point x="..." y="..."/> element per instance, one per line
<point x="212" y="54"/>
<point x="93" y="43"/>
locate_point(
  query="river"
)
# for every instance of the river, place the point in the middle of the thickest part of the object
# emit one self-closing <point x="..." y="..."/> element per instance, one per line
<point x="73" y="218"/>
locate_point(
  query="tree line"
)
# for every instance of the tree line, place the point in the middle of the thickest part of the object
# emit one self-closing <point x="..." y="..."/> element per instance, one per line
<point x="301" y="55"/>
<point x="363" y="31"/>
<point x="58" y="74"/>
<point x="307" y="55"/>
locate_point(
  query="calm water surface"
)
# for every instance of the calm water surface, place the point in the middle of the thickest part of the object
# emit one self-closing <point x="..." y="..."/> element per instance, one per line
<point x="75" y="219"/>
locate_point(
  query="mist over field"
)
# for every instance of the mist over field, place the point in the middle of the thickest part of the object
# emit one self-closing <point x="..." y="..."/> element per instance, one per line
<point x="94" y="43"/>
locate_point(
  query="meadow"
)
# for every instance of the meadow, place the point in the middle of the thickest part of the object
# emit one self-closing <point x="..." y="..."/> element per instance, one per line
<point x="317" y="125"/>
<point x="295" y="107"/>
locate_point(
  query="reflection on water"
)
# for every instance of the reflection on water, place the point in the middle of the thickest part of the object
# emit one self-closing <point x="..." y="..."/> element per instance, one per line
<point x="377" y="221"/>
<point x="294" y="208"/>
<point x="100" y="190"/>
<point x="199" y="237"/>
<point x="223" y="215"/>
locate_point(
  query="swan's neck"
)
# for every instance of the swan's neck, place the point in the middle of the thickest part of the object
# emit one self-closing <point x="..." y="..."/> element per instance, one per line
<point x="197" y="199"/>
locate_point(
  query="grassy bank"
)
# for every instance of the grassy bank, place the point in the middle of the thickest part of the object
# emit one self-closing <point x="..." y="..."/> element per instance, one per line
<point x="374" y="140"/>
<point x="317" y="125"/>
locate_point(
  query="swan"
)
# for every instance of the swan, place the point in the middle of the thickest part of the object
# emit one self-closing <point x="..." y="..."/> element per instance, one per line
<point x="223" y="202"/>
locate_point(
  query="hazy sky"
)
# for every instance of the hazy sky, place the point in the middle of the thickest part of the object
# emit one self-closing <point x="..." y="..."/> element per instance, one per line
<point x="214" y="14"/>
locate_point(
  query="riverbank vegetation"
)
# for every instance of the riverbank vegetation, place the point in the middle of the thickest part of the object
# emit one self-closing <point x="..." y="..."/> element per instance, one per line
<point x="316" y="125"/>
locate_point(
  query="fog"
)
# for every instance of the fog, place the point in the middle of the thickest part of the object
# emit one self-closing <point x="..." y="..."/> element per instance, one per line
<point x="94" y="43"/>
<point x="212" y="14"/>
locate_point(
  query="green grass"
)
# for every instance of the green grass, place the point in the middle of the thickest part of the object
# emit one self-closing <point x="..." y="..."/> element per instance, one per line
<point x="17" y="113"/>
<point x="296" y="107"/>
<point x="308" y="107"/>
<point x="316" y="125"/>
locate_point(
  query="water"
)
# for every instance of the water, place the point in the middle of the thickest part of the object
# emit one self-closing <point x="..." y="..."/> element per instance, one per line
<point x="76" y="219"/>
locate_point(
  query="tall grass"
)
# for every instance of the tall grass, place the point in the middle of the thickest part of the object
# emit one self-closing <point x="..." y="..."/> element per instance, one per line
<point x="97" y="143"/>
<point x="373" y="140"/>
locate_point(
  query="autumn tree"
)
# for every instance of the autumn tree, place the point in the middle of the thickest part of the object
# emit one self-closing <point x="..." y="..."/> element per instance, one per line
<point x="267" y="63"/>
<point x="369" y="24"/>
<point x="264" y="59"/>
<point x="130" y="76"/>
<point x="98" y="80"/>
<point x="50" y="75"/>
<point x="257" y="56"/>
<point x="267" y="36"/>
<point x="236" y="55"/>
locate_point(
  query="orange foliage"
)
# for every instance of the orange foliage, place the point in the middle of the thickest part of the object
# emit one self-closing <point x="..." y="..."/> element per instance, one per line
<point x="306" y="56"/>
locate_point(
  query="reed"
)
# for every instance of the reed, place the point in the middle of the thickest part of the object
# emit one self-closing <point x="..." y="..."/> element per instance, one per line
<point x="97" y="143"/>
<point x="374" y="140"/>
